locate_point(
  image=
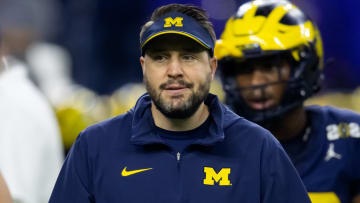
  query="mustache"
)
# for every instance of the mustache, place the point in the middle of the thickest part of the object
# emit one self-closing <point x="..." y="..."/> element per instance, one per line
<point x="177" y="82"/>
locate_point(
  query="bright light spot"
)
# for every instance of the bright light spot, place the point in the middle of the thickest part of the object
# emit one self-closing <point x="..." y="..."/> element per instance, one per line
<point x="277" y="41"/>
<point x="257" y="39"/>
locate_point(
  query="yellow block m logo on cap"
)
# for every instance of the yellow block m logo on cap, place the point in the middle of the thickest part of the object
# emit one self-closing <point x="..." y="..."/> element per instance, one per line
<point x="222" y="178"/>
<point x="169" y="22"/>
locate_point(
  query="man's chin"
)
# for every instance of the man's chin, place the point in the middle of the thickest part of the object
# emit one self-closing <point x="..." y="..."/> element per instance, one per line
<point x="175" y="101"/>
<point x="176" y="113"/>
<point x="176" y="109"/>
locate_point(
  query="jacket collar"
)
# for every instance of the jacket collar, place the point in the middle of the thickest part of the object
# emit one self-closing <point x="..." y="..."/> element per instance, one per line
<point x="143" y="126"/>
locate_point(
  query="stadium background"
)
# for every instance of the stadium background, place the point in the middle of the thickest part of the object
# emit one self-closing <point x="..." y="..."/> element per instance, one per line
<point x="97" y="46"/>
<point x="102" y="37"/>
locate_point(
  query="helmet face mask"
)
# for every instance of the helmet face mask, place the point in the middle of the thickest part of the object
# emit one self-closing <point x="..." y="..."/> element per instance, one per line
<point x="264" y="33"/>
<point x="256" y="95"/>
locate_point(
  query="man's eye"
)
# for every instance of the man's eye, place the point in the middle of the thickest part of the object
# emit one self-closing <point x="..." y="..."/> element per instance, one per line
<point x="159" y="58"/>
<point x="188" y="57"/>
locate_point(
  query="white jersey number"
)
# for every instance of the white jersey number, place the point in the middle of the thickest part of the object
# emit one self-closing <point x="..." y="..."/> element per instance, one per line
<point x="342" y="130"/>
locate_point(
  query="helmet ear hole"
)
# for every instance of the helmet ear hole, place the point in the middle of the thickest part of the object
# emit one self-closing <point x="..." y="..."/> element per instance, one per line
<point x="303" y="53"/>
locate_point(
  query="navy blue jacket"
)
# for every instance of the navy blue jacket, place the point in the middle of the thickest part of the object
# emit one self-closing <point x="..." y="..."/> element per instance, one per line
<point x="124" y="160"/>
<point x="328" y="157"/>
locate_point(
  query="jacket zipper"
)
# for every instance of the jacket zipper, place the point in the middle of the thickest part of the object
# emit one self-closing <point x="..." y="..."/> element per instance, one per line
<point x="180" y="185"/>
<point x="178" y="156"/>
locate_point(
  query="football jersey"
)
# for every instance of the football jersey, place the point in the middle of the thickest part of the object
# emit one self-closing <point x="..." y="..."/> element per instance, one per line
<point x="327" y="155"/>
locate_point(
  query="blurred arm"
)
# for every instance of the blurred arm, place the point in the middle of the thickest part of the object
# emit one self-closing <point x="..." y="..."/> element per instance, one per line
<point x="4" y="192"/>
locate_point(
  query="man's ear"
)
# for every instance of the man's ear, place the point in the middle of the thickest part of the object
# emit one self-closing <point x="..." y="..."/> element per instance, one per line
<point x="213" y="66"/>
<point x="142" y="62"/>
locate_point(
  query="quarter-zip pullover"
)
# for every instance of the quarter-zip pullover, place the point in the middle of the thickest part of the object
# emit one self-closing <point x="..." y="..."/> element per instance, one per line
<point x="124" y="159"/>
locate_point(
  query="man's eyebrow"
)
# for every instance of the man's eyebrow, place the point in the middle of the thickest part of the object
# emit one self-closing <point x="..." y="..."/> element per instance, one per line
<point x="183" y="49"/>
<point x="155" y="50"/>
<point x="192" y="49"/>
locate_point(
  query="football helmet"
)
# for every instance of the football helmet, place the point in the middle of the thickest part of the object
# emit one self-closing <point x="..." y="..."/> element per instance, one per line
<point x="267" y="28"/>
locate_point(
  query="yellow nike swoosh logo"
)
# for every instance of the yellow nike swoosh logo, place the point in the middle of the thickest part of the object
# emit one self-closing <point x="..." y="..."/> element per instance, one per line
<point x="129" y="173"/>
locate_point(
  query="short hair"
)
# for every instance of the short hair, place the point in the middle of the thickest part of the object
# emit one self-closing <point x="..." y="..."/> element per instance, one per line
<point x="195" y="12"/>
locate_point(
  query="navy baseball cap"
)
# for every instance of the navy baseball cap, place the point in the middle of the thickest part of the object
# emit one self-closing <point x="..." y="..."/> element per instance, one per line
<point x="178" y="23"/>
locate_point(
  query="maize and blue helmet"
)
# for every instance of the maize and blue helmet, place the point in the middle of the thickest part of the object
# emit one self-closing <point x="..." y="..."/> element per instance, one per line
<point x="264" y="29"/>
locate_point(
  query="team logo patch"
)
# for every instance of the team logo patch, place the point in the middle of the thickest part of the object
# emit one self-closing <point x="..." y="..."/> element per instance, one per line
<point x="221" y="178"/>
<point x="132" y="172"/>
<point x="324" y="197"/>
<point x="331" y="153"/>
<point x="343" y="130"/>
<point x="177" y="22"/>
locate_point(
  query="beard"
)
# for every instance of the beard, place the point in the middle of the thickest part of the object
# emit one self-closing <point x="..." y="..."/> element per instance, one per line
<point x="184" y="108"/>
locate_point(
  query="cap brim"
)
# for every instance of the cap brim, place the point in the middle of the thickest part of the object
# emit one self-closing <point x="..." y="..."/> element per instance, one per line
<point x="184" y="26"/>
<point x="175" y="32"/>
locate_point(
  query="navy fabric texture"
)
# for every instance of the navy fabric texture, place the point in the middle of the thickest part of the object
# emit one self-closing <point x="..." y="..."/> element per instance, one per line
<point x="180" y="140"/>
<point x="329" y="160"/>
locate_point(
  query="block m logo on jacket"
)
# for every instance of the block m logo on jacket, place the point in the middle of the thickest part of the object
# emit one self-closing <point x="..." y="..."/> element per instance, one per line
<point x="221" y="178"/>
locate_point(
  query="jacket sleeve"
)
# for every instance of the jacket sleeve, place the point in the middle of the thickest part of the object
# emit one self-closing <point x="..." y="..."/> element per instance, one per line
<point x="280" y="181"/>
<point x="74" y="182"/>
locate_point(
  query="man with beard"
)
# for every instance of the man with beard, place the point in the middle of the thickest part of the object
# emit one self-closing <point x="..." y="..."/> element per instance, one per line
<point x="271" y="60"/>
<point x="179" y="143"/>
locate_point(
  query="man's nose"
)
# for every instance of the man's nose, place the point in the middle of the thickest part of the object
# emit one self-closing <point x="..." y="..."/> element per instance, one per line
<point x="258" y="77"/>
<point x="175" y="68"/>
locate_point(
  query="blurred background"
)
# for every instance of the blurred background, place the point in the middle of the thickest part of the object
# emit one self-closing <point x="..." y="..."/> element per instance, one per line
<point x="84" y="54"/>
<point x="102" y="37"/>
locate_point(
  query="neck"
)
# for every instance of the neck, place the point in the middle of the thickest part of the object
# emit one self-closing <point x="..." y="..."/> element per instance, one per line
<point x="190" y="123"/>
<point x="290" y="125"/>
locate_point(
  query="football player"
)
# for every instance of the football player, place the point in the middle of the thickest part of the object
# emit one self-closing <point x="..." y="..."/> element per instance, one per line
<point x="271" y="60"/>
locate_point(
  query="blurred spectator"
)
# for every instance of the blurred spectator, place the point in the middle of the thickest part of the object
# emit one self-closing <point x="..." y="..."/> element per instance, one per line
<point x="31" y="152"/>
<point x="81" y="109"/>
<point x="30" y="147"/>
<point x="26" y="29"/>
<point x="25" y="22"/>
